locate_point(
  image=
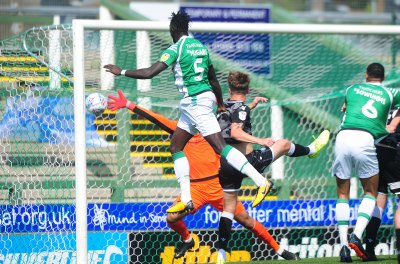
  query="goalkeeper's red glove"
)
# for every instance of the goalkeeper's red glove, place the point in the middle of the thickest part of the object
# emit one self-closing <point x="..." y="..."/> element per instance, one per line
<point x="119" y="102"/>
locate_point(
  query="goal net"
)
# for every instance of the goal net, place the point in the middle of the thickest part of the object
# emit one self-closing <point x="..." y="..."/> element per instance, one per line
<point x="67" y="172"/>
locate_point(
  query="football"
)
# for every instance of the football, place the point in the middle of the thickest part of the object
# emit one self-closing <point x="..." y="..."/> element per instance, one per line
<point x="96" y="103"/>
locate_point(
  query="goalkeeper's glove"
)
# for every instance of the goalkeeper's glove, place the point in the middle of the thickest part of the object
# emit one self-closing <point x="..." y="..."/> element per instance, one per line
<point x="119" y="102"/>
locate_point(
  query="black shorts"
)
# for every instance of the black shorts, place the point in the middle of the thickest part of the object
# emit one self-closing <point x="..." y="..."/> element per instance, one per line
<point x="389" y="169"/>
<point x="231" y="179"/>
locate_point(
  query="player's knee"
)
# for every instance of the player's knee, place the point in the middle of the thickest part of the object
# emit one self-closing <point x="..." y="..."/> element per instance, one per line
<point x="283" y="145"/>
<point x="171" y="219"/>
<point x="286" y="145"/>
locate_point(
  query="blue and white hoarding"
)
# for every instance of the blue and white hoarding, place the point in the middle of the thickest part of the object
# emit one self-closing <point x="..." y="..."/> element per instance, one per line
<point x="152" y="216"/>
<point x="103" y="248"/>
<point x="250" y="51"/>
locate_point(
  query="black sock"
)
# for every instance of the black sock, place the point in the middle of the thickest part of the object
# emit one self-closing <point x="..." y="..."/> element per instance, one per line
<point x="300" y="150"/>
<point x="224" y="228"/>
<point x="371" y="233"/>
<point x="398" y="244"/>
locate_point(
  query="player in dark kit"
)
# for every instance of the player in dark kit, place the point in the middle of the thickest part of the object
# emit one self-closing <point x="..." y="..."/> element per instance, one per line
<point x="236" y="129"/>
<point x="388" y="153"/>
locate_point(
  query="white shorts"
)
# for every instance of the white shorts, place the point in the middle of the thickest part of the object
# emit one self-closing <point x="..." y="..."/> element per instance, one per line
<point x="355" y="149"/>
<point x="197" y="114"/>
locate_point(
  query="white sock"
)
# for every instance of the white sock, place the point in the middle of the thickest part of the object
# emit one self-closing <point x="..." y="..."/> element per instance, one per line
<point x="238" y="161"/>
<point x="181" y="167"/>
<point x="188" y="240"/>
<point x="291" y="150"/>
<point x="342" y="218"/>
<point x="312" y="148"/>
<point x="377" y="212"/>
<point x="221" y="254"/>
<point x="365" y="210"/>
<point x="227" y="215"/>
<point x="280" y="251"/>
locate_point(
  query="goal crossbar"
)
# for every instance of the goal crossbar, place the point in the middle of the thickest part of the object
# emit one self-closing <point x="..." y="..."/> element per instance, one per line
<point x="221" y="27"/>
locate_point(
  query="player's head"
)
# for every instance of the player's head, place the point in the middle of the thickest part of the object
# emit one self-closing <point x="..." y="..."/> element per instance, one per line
<point x="375" y="71"/>
<point x="238" y="82"/>
<point x="179" y="25"/>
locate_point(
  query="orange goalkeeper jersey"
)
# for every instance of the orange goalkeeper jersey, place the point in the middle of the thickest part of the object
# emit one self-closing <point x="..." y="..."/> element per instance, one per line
<point x="203" y="161"/>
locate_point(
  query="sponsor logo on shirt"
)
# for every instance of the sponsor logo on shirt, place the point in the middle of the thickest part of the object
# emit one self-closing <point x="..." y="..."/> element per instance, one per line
<point x="242" y="115"/>
<point x="164" y="57"/>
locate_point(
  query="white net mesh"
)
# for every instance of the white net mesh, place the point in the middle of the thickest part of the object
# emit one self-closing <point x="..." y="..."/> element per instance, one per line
<point x="130" y="176"/>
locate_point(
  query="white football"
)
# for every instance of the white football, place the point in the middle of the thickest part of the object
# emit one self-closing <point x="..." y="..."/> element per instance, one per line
<point x="96" y="103"/>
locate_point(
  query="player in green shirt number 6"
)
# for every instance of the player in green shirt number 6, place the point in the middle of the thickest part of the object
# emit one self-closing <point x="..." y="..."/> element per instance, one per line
<point x="195" y="78"/>
<point x="366" y="109"/>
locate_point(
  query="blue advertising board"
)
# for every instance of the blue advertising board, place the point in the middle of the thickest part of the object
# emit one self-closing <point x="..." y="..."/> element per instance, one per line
<point x="103" y="248"/>
<point x="152" y="216"/>
<point x="250" y="51"/>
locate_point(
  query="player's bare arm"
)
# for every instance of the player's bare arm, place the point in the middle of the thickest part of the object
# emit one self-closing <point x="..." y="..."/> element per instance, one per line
<point x="144" y="73"/>
<point x="256" y="101"/>
<point x="239" y="134"/>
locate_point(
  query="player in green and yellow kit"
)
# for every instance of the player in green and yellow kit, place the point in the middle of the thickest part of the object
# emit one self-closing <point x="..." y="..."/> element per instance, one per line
<point x="366" y="109"/>
<point x="195" y="78"/>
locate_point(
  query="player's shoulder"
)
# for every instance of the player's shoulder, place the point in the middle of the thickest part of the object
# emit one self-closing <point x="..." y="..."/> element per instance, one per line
<point x="393" y="91"/>
<point x="174" y="47"/>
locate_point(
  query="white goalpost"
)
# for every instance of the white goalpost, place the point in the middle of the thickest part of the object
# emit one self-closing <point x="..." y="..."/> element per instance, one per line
<point x="299" y="105"/>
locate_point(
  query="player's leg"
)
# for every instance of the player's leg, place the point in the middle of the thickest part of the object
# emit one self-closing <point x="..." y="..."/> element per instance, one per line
<point x="343" y="217"/>
<point x="239" y="161"/>
<point x="176" y="223"/>
<point x="393" y="171"/>
<point x="285" y="147"/>
<point x="397" y="227"/>
<point x="365" y="210"/>
<point x="367" y="168"/>
<point x="181" y="166"/>
<point x="342" y="169"/>
<point x="225" y="224"/>
<point x="371" y="231"/>
<point x="385" y="156"/>
<point x="243" y="218"/>
<point x="230" y="181"/>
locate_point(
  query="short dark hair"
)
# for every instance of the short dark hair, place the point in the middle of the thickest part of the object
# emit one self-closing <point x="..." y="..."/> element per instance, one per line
<point x="238" y="81"/>
<point x="179" y="22"/>
<point x="376" y="70"/>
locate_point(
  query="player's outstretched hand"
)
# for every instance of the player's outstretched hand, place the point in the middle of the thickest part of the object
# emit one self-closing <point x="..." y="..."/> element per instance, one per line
<point x="113" y="69"/>
<point x="257" y="100"/>
<point x="116" y="103"/>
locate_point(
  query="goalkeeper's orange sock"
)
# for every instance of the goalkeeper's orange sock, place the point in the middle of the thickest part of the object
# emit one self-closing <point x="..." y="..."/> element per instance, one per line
<point x="181" y="229"/>
<point x="261" y="232"/>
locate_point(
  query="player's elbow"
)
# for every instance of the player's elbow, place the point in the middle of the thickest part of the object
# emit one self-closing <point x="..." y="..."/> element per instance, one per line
<point x="236" y="134"/>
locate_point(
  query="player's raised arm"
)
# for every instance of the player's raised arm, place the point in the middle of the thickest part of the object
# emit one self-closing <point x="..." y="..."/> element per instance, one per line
<point x="144" y="73"/>
<point x="257" y="100"/>
<point x="161" y="121"/>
